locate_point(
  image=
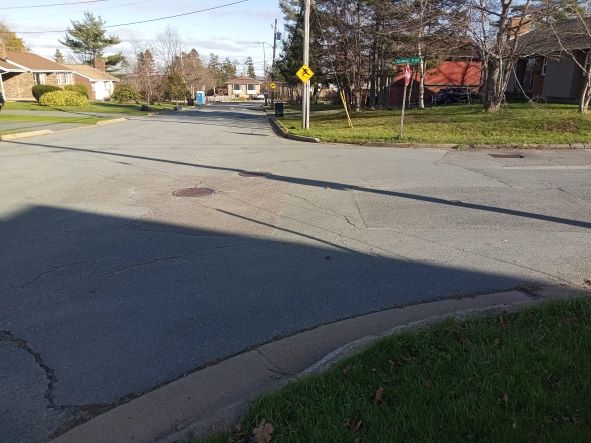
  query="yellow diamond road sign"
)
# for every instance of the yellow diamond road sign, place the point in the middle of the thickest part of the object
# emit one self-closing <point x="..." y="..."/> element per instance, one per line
<point x="305" y="73"/>
<point x="273" y="85"/>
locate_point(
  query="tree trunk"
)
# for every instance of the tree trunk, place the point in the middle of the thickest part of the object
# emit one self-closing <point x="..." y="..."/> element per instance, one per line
<point x="492" y="97"/>
<point x="585" y="94"/>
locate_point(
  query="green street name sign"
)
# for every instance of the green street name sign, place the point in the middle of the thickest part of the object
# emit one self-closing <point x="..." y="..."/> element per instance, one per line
<point x="407" y="61"/>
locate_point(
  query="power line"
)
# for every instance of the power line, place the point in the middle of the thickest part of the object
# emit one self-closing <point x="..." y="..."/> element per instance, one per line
<point x="144" y="21"/>
<point x="52" y="4"/>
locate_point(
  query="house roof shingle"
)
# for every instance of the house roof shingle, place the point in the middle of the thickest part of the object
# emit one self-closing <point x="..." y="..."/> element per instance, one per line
<point x="244" y="81"/>
<point x="91" y="73"/>
<point x="9" y="67"/>
<point x="548" y="39"/>
<point x="34" y="62"/>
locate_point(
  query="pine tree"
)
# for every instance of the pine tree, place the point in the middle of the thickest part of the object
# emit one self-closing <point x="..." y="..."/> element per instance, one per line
<point x="88" y="39"/>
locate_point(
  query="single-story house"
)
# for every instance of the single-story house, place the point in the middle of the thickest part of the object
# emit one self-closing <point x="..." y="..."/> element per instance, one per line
<point x="243" y="87"/>
<point x="447" y="74"/>
<point x="100" y="84"/>
<point x="546" y="69"/>
<point x="20" y="71"/>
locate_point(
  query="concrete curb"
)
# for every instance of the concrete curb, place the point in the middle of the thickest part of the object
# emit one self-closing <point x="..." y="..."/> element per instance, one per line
<point x="475" y="147"/>
<point x="17" y="135"/>
<point x="212" y="399"/>
<point x="281" y="132"/>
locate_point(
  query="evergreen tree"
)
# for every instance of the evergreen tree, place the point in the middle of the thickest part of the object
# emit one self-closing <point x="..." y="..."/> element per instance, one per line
<point x="88" y="39"/>
<point x="250" y="72"/>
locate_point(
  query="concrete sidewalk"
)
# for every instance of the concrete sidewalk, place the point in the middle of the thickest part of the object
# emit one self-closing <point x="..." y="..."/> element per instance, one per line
<point x="213" y="399"/>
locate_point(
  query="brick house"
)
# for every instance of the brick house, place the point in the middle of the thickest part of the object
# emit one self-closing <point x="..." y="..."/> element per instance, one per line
<point x="100" y="84"/>
<point x="20" y="71"/>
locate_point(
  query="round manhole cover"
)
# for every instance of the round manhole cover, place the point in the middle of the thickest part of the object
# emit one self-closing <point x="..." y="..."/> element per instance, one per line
<point x="254" y="174"/>
<point x="193" y="192"/>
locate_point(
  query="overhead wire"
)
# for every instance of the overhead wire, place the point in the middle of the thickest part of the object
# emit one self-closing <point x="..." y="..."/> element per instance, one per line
<point x="52" y="4"/>
<point x="145" y="21"/>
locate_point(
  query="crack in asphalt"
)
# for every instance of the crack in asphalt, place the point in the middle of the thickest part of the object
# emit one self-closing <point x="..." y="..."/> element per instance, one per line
<point x="41" y="274"/>
<point x="20" y="343"/>
<point x="173" y="257"/>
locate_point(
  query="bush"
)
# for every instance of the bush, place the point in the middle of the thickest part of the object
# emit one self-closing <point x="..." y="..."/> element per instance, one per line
<point x="125" y="93"/>
<point x="40" y="90"/>
<point x="63" y="98"/>
<point x="80" y="89"/>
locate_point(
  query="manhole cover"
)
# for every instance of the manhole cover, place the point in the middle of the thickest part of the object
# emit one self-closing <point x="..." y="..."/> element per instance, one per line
<point x="506" y="155"/>
<point x="193" y="192"/>
<point x="254" y="174"/>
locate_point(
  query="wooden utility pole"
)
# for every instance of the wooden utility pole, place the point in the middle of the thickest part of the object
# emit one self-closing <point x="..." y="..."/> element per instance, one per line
<point x="273" y="62"/>
<point x="306" y="87"/>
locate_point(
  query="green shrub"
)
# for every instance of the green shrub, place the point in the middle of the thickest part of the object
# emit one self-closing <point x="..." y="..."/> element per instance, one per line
<point x="81" y="89"/>
<point x="125" y="93"/>
<point x="63" y="98"/>
<point x="39" y="90"/>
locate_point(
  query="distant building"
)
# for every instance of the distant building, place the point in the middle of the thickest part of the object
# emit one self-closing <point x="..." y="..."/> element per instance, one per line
<point x="447" y="74"/>
<point x="20" y="71"/>
<point x="100" y="84"/>
<point x="243" y="87"/>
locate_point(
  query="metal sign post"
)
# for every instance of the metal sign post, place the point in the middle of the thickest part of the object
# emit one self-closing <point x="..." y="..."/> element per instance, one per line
<point x="407" y="76"/>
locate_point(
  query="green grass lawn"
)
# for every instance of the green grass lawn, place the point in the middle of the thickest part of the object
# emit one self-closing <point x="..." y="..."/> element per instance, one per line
<point x="106" y="107"/>
<point x="464" y="125"/>
<point x="34" y="119"/>
<point x="510" y="378"/>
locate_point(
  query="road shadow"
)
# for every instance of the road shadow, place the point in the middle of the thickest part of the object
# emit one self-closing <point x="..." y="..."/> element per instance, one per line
<point x="98" y="308"/>
<point x="322" y="184"/>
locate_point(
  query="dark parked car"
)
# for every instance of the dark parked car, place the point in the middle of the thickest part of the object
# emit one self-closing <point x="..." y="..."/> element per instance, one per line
<point x="455" y="95"/>
<point x="2" y="101"/>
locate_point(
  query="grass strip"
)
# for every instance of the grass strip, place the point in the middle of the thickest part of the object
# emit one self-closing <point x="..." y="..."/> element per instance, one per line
<point x="513" y="377"/>
<point x="519" y="123"/>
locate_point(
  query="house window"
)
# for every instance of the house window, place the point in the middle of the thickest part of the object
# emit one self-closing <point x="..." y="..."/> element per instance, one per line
<point x="544" y="66"/>
<point x="529" y="74"/>
<point x="64" y="78"/>
<point x="93" y="86"/>
<point x="236" y="87"/>
<point x="251" y="87"/>
<point x="40" y="78"/>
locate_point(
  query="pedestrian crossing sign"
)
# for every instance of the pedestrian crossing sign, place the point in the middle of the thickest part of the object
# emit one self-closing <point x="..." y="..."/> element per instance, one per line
<point x="305" y="73"/>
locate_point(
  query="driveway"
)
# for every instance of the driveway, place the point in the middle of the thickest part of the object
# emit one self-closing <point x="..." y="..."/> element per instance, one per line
<point x="111" y="285"/>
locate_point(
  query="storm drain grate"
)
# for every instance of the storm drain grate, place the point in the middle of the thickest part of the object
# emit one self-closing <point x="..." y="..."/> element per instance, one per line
<point x="193" y="192"/>
<point x="254" y="174"/>
<point x="506" y="155"/>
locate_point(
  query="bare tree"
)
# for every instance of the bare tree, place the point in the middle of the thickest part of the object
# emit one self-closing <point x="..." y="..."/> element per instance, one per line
<point x="495" y="26"/>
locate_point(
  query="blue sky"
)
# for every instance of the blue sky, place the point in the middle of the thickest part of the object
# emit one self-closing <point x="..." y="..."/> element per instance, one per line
<point x="228" y="32"/>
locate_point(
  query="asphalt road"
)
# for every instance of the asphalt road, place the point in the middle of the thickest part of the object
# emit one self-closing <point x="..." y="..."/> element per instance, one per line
<point x="110" y="285"/>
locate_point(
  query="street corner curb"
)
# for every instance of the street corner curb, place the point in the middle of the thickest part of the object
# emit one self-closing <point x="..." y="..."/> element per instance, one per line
<point x="17" y="135"/>
<point x="281" y="132"/>
<point x="111" y="121"/>
<point x="535" y="295"/>
<point x="213" y="398"/>
<point x="411" y="145"/>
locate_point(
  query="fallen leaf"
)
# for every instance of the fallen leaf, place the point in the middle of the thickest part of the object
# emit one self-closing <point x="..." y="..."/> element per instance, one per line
<point x="263" y="433"/>
<point x="428" y="383"/>
<point x="346" y="370"/>
<point x="378" y="398"/>
<point x="497" y="341"/>
<point x="358" y="440"/>
<point x="502" y="321"/>
<point x="569" y="320"/>
<point x="587" y="281"/>
<point x="328" y="257"/>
